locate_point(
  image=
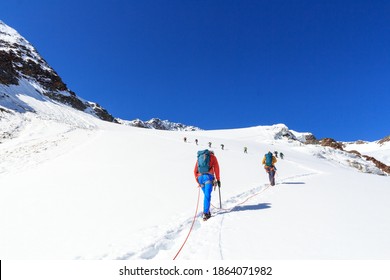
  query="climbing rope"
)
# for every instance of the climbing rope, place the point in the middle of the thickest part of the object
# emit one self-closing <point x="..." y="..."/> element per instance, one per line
<point x="227" y="210"/>
<point x="192" y="225"/>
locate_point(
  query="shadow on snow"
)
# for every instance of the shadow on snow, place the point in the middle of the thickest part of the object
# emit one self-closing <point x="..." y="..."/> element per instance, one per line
<point x="259" y="206"/>
<point x="238" y="208"/>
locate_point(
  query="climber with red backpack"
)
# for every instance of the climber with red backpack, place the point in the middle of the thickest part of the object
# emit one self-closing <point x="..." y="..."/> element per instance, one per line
<point x="207" y="176"/>
<point x="269" y="160"/>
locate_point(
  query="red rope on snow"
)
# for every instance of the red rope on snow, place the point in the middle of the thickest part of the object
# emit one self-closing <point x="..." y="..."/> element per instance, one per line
<point x="193" y="222"/>
<point x="228" y="210"/>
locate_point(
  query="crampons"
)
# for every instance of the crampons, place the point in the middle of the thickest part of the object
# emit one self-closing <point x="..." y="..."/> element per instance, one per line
<point x="206" y="216"/>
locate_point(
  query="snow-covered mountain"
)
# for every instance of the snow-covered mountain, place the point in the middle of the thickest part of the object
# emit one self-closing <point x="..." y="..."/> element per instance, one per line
<point x="25" y="74"/>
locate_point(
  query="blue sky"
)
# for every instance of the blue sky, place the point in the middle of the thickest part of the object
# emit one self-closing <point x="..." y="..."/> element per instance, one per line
<point x="321" y="66"/>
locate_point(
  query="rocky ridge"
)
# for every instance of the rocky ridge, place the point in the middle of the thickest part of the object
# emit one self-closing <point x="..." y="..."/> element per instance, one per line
<point x="156" y="123"/>
<point x="330" y="142"/>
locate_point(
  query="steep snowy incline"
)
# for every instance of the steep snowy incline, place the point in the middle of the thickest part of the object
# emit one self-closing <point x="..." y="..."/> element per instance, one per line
<point x="29" y="138"/>
<point x="106" y="191"/>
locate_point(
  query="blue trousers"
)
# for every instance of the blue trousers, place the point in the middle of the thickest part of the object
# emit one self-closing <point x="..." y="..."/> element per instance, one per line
<point x="206" y="183"/>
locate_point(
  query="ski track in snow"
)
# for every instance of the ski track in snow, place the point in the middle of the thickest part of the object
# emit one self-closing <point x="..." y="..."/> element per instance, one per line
<point x="175" y="237"/>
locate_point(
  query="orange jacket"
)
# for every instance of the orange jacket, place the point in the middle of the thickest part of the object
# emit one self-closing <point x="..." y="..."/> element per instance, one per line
<point x="214" y="168"/>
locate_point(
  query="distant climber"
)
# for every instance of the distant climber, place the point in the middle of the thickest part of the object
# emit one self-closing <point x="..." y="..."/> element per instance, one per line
<point x="209" y="144"/>
<point x="269" y="160"/>
<point x="276" y="153"/>
<point x="185" y="139"/>
<point x="222" y="146"/>
<point x="245" y="150"/>
<point x="281" y="155"/>
<point x="196" y="141"/>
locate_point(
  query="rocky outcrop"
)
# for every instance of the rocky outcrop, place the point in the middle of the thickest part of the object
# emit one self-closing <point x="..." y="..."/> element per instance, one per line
<point x="355" y="152"/>
<point x="8" y="75"/>
<point x="156" y="123"/>
<point x="384" y="140"/>
<point x="330" y="142"/>
<point x="19" y="60"/>
<point x="282" y="132"/>
<point x="385" y="168"/>
<point x="311" y="139"/>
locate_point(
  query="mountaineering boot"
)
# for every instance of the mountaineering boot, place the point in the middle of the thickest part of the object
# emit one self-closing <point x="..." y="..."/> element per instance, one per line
<point x="206" y="216"/>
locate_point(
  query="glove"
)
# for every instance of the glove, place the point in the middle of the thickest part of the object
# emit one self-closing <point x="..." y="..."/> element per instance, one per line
<point x="219" y="183"/>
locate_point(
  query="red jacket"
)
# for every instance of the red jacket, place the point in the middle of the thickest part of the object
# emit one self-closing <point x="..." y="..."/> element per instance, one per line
<point x="214" y="168"/>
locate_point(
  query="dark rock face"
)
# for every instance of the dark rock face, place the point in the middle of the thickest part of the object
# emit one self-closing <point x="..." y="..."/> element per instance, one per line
<point x="384" y="140"/>
<point x="311" y="139"/>
<point x="355" y="152"/>
<point x="157" y="124"/>
<point x="379" y="164"/>
<point x="70" y="100"/>
<point x="8" y="75"/>
<point x="329" y="142"/>
<point x="138" y="123"/>
<point x="102" y="113"/>
<point x="20" y="60"/>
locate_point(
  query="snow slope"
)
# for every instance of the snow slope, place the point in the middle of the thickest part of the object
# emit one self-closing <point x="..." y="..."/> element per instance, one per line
<point x="379" y="151"/>
<point x="74" y="187"/>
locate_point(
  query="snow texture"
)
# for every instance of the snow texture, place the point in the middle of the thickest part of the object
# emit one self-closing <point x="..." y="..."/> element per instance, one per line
<point x="75" y="187"/>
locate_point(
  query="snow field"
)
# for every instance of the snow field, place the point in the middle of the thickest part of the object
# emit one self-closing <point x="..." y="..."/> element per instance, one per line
<point x="106" y="191"/>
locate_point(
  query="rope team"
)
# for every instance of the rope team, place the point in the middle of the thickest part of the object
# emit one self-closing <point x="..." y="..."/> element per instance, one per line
<point x="207" y="174"/>
<point x="223" y="147"/>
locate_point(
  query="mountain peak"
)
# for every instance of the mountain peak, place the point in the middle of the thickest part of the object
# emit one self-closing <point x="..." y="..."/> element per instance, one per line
<point x="6" y="30"/>
<point x="24" y="71"/>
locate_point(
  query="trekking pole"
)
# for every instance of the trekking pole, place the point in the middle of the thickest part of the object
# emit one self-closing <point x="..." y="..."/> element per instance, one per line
<point x="220" y="203"/>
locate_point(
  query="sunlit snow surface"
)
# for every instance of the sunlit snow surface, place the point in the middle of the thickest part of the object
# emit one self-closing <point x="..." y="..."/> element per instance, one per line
<point x="74" y="187"/>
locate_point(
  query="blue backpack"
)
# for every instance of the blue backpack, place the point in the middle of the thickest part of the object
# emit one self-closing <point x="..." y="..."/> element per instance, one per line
<point x="203" y="161"/>
<point x="268" y="159"/>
